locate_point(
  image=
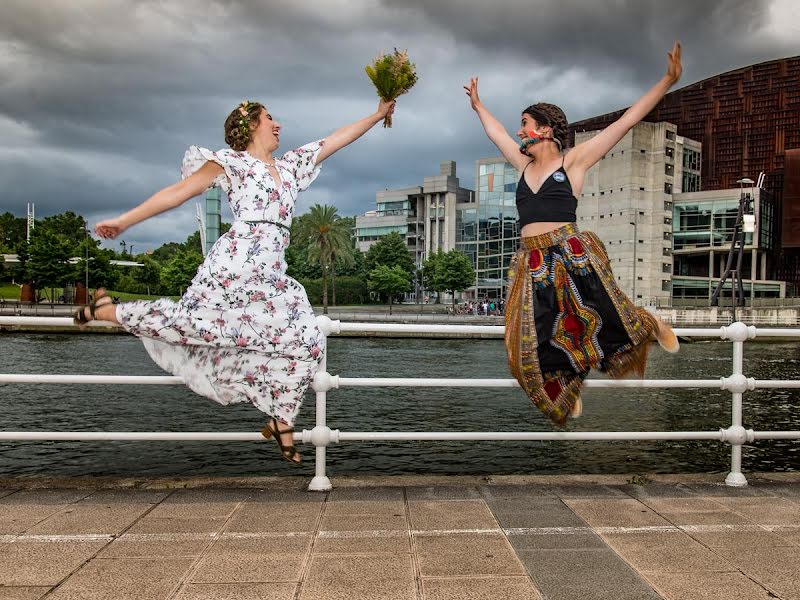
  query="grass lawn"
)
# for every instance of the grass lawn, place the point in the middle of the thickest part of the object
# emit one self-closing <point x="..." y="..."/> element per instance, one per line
<point x="10" y="291"/>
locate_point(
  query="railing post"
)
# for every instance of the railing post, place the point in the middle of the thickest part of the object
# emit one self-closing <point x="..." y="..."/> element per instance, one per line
<point x="736" y="435"/>
<point x="321" y="434"/>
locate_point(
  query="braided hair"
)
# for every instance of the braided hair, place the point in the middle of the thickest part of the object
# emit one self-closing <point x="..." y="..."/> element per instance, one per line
<point x="552" y="116"/>
<point x="241" y="123"/>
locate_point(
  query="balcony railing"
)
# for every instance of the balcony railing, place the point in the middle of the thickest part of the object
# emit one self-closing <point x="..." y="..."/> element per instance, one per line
<point x="321" y="436"/>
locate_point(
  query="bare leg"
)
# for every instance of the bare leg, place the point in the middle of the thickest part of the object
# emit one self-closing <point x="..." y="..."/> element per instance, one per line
<point x="666" y="337"/>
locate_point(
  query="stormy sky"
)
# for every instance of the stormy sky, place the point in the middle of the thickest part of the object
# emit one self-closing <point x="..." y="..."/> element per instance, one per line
<point x="100" y="98"/>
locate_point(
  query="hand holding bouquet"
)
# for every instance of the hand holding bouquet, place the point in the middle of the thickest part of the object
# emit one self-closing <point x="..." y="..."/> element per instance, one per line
<point x="392" y="75"/>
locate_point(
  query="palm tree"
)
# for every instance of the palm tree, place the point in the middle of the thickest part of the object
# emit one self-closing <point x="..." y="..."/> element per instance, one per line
<point x="328" y="238"/>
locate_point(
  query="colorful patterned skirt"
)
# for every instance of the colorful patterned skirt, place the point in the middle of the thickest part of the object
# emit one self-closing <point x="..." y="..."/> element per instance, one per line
<point x="565" y="315"/>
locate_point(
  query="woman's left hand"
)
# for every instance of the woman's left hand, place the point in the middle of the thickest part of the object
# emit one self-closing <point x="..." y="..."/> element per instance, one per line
<point x="674" y="67"/>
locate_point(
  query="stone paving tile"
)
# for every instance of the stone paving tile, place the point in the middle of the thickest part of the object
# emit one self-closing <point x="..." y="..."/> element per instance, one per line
<point x="238" y="591"/>
<point x="471" y="588"/>
<point x="7" y="491"/>
<point x="442" y="492"/>
<point x="208" y="496"/>
<point x="725" y="491"/>
<point x="765" y="511"/>
<point x="790" y="534"/>
<point x="707" y="586"/>
<point x="23" y="593"/>
<point x="737" y="538"/>
<point x="277" y="559"/>
<point x="44" y="496"/>
<point x="693" y="504"/>
<point x="364" y="523"/>
<point x="658" y="490"/>
<point x="365" y="507"/>
<point x="91" y="518"/>
<point x="125" y="496"/>
<point x="532" y="490"/>
<point x="570" y="540"/>
<point x="721" y="517"/>
<point x="16" y="519"/>
<point x="285" y="495"/>
<point x="43" y="563"/>
<point x="275" y="517"/>
<point x="577" y="490"/>
<point x="585" y="575"/>
<point x="385" y="577"/>
<point x="177" y="525"/>
<point x="193" y="510"/>
<point x="387" y="543"/>
<point x="775" y="568"/>
<point x="615" y="513"/>
<point x="455" y="555"/>
<point x="136" y="548"/>
<point x="124" y="579"/>
<point x="533" y="512"/>
<point x="349" y="494"/>
<point x="466" y="514"/>
<point x="666" y="552"/>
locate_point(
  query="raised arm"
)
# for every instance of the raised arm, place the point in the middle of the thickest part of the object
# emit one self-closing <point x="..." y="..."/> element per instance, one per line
<point x="350" y="133"/>
<point x="495" y="131"/>
<point x="162" y="201"/>
<point x="589" y="152"/>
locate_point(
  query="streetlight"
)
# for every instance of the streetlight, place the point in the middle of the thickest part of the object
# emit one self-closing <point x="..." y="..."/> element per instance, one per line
<point x="635" y="243"/>
<point x="740" y="227"/>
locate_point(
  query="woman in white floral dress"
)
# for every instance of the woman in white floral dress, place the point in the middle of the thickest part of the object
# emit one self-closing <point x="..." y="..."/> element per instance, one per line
<point x="244" y="331"/>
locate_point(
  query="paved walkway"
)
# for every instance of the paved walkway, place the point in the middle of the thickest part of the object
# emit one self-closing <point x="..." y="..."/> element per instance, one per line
<point x="582" y="538"/>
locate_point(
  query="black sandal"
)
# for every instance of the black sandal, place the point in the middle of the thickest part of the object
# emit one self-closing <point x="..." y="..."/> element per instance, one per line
<point x="79" y="317"/>
<point x="289" y="452"/>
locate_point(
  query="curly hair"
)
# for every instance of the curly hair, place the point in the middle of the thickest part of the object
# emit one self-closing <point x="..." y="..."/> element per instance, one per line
<point x="241" y="123"/>
<point x="553" y="116"/>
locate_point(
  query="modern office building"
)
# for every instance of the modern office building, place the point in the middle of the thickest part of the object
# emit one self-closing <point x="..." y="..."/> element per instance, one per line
<point x="424" y="215"/>
<point x="748" y="121"/>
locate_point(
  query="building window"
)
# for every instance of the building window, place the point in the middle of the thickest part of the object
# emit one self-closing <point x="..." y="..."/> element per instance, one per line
<point x="669" y="169"/>
<point x="670" y="135"/>
<point x="691" y="182"/>
<point x="670" y="152"/>
<point x="666" y="267"/>
<point x="665" y="285"/>
<point x="667" y="187"/>
<point x="691" y="159"/>
<point x="641" y="189"/>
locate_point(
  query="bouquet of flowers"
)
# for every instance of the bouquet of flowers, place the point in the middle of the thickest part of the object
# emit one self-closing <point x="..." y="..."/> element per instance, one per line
<point x="392" y="75"/>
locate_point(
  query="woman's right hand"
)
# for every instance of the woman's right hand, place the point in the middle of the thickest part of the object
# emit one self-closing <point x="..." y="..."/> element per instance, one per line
<point x="110" y="228"/>
<point x="472" y="92"/>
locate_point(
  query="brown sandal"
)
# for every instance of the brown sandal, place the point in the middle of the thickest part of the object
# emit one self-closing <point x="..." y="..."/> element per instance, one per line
<point x="79" y="317"/>
<point x="289" y="452"/>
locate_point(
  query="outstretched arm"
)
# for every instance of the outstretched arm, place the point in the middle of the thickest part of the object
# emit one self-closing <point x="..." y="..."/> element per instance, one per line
<point x="495" y="130"/>
<point x="162" y="201"/>
<point x="350" y="133"/>
<point x="589" y="152"/>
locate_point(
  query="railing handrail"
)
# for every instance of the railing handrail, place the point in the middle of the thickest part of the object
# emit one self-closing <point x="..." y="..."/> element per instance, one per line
<point x="321" y="435"/>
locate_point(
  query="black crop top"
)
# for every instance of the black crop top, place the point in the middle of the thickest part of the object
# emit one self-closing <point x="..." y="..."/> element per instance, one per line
<point x="555" y="201"/>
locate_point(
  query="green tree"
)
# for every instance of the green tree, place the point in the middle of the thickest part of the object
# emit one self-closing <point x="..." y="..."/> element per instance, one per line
<point x="327" y="237"/>
<point x="431" y="269"/>
<point x="389" y="281"/>
<point x="455" y="273"/>
<point x="12" y="232"/>
<point x="178" y="273"/>
<point x="101" y="272"/>
<point x="391" y="251"/>
<point x="68" y="225"/>
<point x="148" y="275"/>
<point x="48" y="261"/>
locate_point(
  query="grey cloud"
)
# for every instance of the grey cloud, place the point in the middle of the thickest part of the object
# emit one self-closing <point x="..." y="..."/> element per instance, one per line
<point x="102" y="97"/>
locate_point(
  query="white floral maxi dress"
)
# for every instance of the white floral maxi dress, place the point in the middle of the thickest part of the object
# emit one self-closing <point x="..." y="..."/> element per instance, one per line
<point x="244" y="330"/>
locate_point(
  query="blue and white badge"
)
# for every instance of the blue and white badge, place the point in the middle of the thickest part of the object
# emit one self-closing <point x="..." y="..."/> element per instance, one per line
<point x="559" y="177"/>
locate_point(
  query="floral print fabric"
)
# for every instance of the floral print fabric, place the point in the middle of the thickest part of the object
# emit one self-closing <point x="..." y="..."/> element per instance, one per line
<point x="244" y="331"/>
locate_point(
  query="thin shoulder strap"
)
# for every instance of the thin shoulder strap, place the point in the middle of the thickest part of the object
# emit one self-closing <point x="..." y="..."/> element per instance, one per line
<point x="563" y="156"/>
<point x="526" y="166"/>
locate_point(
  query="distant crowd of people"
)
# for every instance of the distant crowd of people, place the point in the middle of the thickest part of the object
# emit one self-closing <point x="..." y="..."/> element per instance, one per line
<point x="486" y="307"/>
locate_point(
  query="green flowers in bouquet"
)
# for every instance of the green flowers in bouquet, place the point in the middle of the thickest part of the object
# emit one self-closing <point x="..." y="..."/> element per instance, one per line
<point x="393" y="75"/>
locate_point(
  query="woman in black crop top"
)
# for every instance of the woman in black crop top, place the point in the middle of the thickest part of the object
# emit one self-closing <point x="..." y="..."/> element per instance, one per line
<point x="565" y="313"/>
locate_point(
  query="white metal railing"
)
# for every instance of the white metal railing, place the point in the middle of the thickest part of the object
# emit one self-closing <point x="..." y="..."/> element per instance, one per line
<point x="322" y="436"/>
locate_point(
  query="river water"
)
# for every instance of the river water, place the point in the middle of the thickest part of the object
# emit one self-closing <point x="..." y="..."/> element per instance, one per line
<point x="174" y="408"/>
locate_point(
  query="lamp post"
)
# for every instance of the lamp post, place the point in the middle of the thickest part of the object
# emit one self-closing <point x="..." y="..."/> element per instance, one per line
<point x="741" y="226"/>
<point x="635" y="244"/>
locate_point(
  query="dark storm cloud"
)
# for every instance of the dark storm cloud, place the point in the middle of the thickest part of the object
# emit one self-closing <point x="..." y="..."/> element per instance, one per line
<point x="101" y="98"/>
